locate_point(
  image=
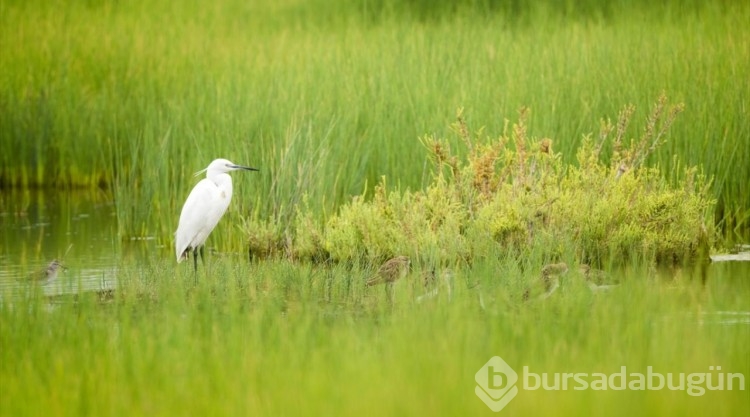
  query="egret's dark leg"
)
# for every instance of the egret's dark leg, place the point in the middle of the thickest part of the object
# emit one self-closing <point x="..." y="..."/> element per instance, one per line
<point x="195" y="265"/>
<point x="203" y="257"/>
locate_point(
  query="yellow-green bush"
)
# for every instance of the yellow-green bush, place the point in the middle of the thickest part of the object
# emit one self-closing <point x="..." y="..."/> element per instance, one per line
<point x="512" y="194"/>
<point x="425" y="225"/>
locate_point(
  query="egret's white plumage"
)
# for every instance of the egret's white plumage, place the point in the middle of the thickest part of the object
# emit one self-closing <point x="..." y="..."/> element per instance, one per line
<point x="204" y="207"/>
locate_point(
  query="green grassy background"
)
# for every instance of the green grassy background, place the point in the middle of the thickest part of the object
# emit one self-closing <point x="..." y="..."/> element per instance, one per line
<point x="326" y="97"/>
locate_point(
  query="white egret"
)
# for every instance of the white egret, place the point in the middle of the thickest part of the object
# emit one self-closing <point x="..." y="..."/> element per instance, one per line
<point x="204" y="207"/>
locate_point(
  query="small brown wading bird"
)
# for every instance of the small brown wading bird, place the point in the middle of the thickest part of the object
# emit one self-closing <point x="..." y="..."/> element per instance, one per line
<point x="549" y="280"/>
<point x="432" y="285"/>
<point x="595" y="278"/>
<point x="47" y="275"/>
<point x="391" y="271"/>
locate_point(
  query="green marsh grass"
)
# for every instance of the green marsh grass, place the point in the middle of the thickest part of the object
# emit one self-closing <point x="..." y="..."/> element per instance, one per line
<point x="276" y="338"/>
<point x="328" y="97"/>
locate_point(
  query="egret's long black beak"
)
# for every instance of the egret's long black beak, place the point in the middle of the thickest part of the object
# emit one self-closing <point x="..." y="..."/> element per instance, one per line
<point x="245" y="168"/>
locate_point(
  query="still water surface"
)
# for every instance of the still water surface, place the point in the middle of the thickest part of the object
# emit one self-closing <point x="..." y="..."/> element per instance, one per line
<point x="79" y="228"/>
<point x="76" y="227"/>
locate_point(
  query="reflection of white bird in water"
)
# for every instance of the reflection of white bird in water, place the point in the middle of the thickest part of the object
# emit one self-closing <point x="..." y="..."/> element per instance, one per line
<point x="204" y="207"/>
<point x="47" y="275"/>
<point x="549" y="281"/>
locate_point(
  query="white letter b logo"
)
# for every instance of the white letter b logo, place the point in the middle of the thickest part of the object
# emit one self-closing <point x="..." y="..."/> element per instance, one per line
<point x="496" y="383"/>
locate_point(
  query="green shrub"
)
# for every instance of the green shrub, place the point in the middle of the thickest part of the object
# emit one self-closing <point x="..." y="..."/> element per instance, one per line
<point x="512" y="194"/>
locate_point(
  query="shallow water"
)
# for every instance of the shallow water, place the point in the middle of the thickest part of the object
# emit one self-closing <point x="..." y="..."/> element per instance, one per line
<point x="79" y="228"/>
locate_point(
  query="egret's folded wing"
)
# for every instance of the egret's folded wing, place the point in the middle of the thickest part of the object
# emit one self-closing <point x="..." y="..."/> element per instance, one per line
<point x="195" y="219"/>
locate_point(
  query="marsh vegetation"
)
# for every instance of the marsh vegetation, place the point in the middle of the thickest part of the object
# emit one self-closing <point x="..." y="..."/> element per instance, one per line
<point x="483" y="141"/>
